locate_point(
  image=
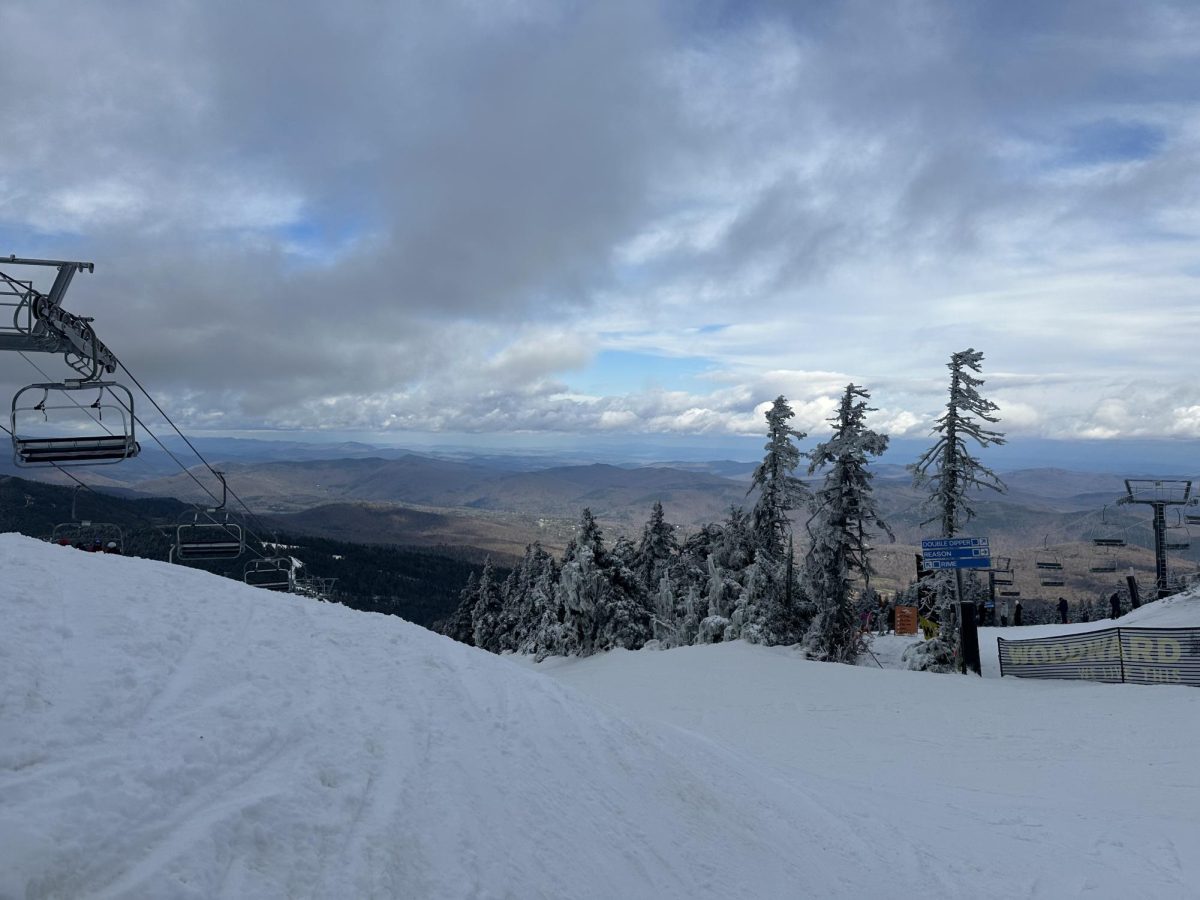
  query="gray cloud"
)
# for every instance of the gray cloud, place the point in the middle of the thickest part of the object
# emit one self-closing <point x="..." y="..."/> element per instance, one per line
<point x="433" y="217"/>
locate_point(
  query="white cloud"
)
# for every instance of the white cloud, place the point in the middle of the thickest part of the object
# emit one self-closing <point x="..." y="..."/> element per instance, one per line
<point x="434" y="217"/>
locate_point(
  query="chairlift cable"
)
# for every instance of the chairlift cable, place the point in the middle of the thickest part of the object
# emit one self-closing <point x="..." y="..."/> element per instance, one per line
<point x="191" y="446"/>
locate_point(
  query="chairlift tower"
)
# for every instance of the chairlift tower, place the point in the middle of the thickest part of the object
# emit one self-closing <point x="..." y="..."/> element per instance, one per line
<point x="1159" y="493"/>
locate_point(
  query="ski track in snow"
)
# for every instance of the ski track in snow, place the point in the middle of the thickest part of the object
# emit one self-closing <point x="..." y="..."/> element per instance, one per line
<point x="169" y="734"/>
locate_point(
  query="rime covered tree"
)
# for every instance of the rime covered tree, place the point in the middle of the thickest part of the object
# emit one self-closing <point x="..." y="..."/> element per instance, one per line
<point x="950" y="474"/>
<point x="603" y="604"/>
<point x="487" y="614"/>
<point x="657" y="549"/>
<point x="779" y="490"/>
<point x="527" y="597"/>
<point x="844" y="520"/>
<point x="657" y="553"/>
<point x="460" y="626"/>
<point x="947" y="469"/>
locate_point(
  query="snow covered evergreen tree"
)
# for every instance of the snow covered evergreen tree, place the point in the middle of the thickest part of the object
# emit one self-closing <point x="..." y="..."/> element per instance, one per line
<point x="527" y="597"/>
<point x="602" y="601"/>
<point x="779" y="490"/>
<point x="657" y="549"/>
<point x="461" y="626"/>
<point x="843" y="521"/>
<point x="488" y="610"/>
<point x="950" y="473"/>
<point x="948" y="469"/>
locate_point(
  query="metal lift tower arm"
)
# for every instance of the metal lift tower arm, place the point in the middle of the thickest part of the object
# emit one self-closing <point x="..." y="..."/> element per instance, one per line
<point x="40" y="324"/>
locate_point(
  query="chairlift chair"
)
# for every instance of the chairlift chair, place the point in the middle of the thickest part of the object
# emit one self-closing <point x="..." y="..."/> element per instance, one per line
<point x="1178" y="543"/>
<point x="1049" y="566"/>
<point x="50" y="427"/>
<point x="1009" y="593"/>
<point x="105" y="536"/>
<point x="1107" y="537"/>
<point x="217" y="538"/>
<point x="274" y="573"/>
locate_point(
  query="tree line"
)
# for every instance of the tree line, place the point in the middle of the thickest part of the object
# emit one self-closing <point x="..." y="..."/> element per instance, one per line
<point x="740" y="578"/>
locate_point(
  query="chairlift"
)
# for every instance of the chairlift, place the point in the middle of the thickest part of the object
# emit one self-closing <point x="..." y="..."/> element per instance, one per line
<point x="216" y="538"/>
<point x="274" y="573"/>
<point x="1107" y="538"/>
<point x="1047" y="561"/>
<point x="1009" y="593"/>
<point x="50" y="427"/>
<point x="84" y="534"/>
<point x="1183" y="542"/>
<point x="1002" y="577"/>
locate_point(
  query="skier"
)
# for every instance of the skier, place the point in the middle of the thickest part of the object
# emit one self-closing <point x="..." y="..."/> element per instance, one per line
<point x="1017" y="613"/>
<point x="1004" y="613"/>
<point x="1063" y="610"/>
<point x="1114" y="603"/>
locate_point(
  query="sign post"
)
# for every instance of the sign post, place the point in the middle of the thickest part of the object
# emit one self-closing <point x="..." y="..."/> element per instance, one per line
<point x="958" y="554"/>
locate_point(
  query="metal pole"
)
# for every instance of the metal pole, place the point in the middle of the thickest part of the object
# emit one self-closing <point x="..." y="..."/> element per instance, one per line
<point x="958" y="597"/>
<point x="1160" y="550"/>
<point x="992" y="596"/>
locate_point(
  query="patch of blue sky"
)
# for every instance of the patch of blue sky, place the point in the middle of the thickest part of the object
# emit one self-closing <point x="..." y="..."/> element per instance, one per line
<point x="626" y="371"/>
<point x="1112" y="141"/>
<point x="313" y="242"/>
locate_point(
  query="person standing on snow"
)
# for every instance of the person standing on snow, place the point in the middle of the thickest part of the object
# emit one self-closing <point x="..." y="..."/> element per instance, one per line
<point x="1063" y="610"/>
<point x="1114" y="603"/>
<point x="1017" y="613"/>
<point x="1004" y="613"/>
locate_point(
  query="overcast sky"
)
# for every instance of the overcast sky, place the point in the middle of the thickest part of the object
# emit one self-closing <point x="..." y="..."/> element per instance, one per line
<point x="501" y="216"/>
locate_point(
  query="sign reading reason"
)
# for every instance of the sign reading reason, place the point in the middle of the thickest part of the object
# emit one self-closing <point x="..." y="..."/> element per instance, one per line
<point x="956" y="553"/>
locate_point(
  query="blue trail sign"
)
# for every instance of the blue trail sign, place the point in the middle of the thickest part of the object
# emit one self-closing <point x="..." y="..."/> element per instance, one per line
<point x="956" y="553"/>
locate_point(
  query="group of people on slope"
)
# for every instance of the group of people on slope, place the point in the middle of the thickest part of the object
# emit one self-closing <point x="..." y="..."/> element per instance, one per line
<point x="1114" y="607"/>
<point x="1009" y="612"/>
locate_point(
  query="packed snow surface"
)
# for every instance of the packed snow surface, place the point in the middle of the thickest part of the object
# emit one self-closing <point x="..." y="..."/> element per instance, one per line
<point x="165" y="733"/>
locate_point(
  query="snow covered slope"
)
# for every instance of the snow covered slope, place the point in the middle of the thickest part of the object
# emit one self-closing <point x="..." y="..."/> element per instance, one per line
<point x="165" y="733"/>
<point x="983" y="788"/>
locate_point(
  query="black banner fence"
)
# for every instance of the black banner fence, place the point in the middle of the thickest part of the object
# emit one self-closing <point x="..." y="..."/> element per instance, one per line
<point x="1110" y="655"/>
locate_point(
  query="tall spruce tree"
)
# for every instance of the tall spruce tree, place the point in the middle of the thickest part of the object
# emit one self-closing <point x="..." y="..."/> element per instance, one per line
<point x="488" y="611"/>
<point x="460" y="625"/>
<point x="656" y="550"/>
<point x="947" y="469"/>
<point x="779" y="490"/>
<point x="950" y="473"/>
<point x="844" y="519"/>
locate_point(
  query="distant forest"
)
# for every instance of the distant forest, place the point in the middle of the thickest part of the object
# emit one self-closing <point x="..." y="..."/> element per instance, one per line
<point x="416" y="584"/>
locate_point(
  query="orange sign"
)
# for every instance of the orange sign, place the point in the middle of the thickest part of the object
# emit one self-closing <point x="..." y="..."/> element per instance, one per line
<point x="906" y="620"/>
